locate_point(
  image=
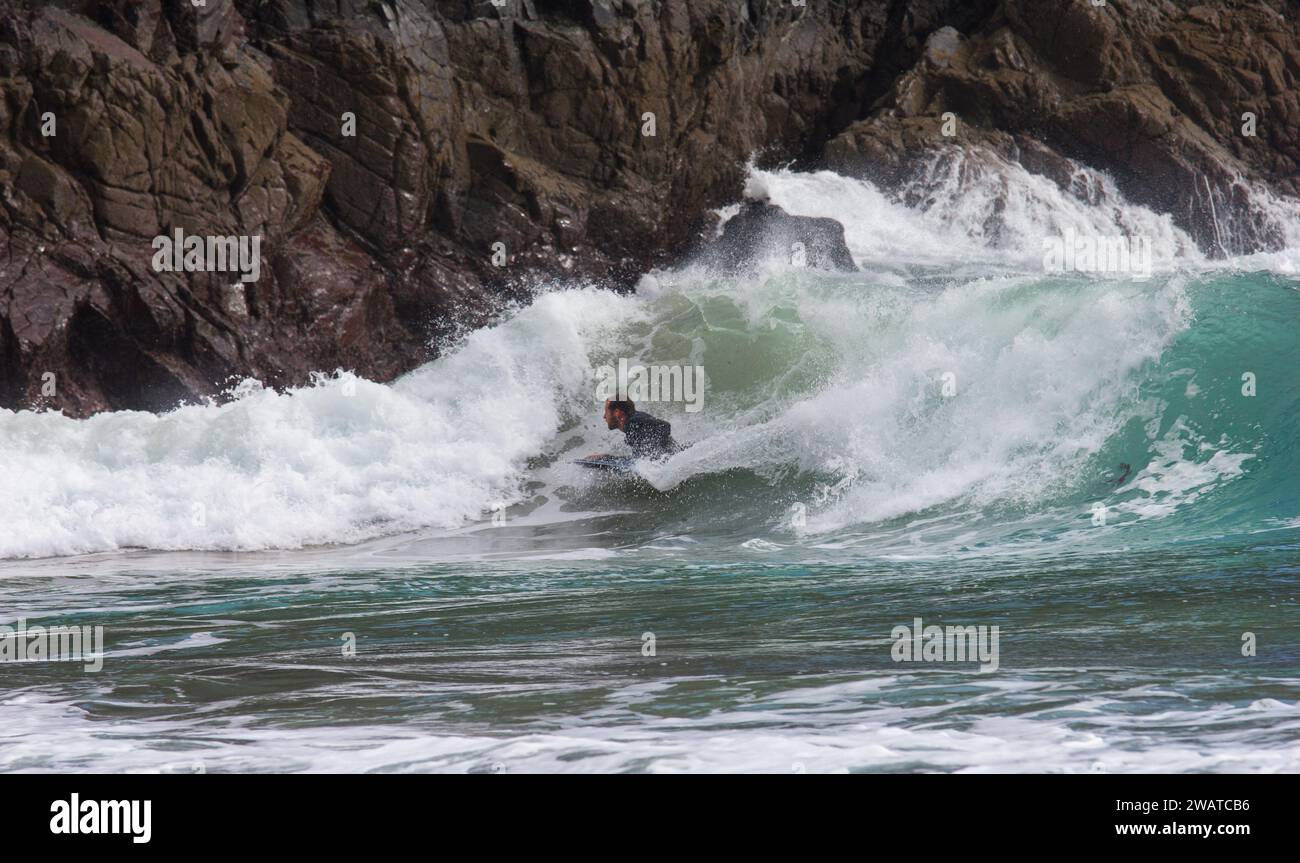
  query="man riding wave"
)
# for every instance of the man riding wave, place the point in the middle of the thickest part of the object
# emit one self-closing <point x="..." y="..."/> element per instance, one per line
<point x="649" y="437"/>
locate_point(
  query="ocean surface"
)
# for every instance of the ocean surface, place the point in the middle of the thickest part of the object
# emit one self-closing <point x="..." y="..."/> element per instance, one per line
<point x="354" y="576"/>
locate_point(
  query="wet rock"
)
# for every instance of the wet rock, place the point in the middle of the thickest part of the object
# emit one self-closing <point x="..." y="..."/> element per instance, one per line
<point x="764" y="232"/>
<point x="1154" y="94"/>
<point x="412" y="165"/>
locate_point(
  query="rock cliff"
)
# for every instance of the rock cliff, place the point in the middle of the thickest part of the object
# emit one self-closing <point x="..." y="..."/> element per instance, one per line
<point x="410" y="165"/>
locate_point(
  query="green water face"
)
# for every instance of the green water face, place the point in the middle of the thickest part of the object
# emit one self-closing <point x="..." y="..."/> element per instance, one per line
<point x="1004" y="411"/>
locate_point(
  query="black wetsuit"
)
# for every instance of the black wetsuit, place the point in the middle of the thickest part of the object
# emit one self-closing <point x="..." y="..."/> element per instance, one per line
<point x="648" y="437"/>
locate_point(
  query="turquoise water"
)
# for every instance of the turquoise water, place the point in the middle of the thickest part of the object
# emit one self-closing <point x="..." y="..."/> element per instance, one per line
<point x="832" y="492"/>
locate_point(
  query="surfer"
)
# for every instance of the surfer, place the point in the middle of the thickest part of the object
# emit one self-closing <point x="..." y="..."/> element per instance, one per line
<point x="649" y="437"/>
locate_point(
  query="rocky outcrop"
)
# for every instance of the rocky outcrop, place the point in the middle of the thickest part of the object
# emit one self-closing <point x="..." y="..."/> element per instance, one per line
<point x="762" y="231"/>
<point x="1187" y="106"/>
<point x="410" y="165"/>
<point x="407" y="164"/>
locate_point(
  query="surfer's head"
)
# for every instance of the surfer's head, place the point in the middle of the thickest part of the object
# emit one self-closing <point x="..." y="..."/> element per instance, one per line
<point x="617" y="411"/>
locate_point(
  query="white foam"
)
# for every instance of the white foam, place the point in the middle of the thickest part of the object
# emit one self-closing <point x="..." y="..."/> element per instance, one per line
<point x="974" y="209"/>
<point x="310" y="465"/>
<point x="826" y="729"/>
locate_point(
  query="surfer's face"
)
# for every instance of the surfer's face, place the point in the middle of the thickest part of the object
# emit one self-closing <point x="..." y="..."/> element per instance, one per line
<point x="612" y="417"/>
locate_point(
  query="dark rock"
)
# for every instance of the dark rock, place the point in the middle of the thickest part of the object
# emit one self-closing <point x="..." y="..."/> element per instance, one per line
<point x="763" y="231"/>
<point x="497" y="147"/>
<point x="476" y="125"/>
<point x="1152" y="93"/>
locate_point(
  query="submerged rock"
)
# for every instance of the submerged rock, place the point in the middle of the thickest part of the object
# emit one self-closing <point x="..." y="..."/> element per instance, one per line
<point x="762" y="231"/>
